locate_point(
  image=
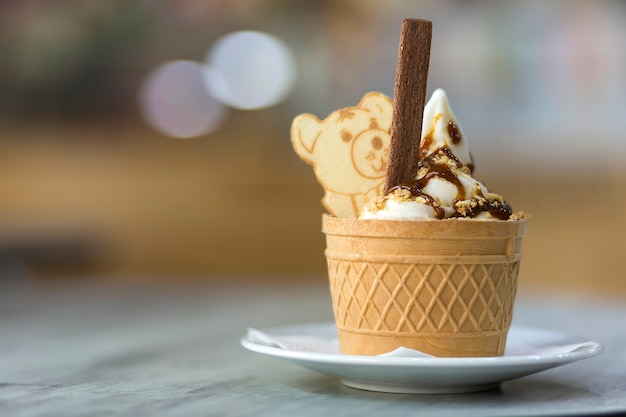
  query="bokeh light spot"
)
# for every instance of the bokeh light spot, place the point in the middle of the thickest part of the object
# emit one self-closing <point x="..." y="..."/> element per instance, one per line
<point x="174" y="100"/>
<point x="250" y="70"/>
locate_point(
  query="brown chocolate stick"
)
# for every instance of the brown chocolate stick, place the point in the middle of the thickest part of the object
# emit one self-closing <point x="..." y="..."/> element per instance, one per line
<point x="409" y="101"/>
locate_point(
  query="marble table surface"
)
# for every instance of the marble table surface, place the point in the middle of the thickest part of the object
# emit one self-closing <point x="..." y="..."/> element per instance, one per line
<point x="161" y="350"/>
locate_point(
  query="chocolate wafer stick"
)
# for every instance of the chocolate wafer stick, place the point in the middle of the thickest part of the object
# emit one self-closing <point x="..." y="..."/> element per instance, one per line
<point x="409" y="101"/>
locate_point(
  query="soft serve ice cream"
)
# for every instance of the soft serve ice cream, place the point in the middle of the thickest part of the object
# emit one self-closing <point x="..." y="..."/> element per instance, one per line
<point x="443" y="186"/>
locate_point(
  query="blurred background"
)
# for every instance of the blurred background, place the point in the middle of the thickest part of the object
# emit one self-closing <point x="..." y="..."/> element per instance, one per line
<point x="149" y="140"/>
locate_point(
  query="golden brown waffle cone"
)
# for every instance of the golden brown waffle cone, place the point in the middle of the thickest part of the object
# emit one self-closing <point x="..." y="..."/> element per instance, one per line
<point x="444" y="287"/>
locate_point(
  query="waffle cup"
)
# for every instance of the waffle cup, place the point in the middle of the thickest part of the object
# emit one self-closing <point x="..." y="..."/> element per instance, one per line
<point x="443" y="287"/>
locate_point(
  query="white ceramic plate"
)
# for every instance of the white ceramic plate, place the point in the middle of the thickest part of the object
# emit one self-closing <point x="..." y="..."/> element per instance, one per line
<point x="528" y="350"/>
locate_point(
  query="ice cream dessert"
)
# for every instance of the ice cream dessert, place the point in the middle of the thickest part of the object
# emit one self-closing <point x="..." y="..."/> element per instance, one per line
<point x="421" y="267"/>
<point x="443" y="186"/>
<point x="431" y="263"/>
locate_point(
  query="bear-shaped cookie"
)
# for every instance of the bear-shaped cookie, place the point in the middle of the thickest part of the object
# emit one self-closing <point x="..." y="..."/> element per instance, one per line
<point x="348" y="152"/>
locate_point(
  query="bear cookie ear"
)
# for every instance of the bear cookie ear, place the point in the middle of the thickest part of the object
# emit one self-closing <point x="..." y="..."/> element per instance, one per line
<point x="379" y="105"/>
<point x="305" y="131"/>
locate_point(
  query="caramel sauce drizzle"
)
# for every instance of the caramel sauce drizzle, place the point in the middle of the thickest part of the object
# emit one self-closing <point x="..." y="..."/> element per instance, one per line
<point x="498" y="209"/>
<point x="454" y="132"/>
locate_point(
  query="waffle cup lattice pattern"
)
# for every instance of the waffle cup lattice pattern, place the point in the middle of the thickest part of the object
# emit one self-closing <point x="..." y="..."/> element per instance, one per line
<point x="395" y="298"/>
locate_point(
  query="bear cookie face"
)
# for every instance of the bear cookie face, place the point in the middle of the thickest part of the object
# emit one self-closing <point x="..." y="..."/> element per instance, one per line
<point x="369" y="151"/>
<point x="348" y="152"/>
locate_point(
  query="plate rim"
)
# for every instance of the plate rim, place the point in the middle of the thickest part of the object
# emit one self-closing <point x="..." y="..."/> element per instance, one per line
<point x="593" y="348"/>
